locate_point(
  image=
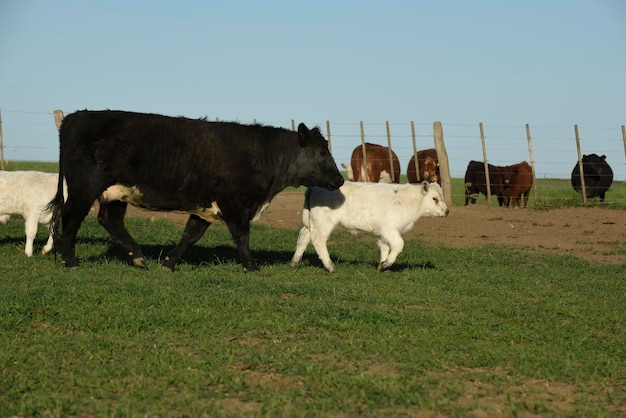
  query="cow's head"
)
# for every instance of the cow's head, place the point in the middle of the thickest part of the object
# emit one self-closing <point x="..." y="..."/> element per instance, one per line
<point x="429" y="169"/>
<point x="314" y="165"/>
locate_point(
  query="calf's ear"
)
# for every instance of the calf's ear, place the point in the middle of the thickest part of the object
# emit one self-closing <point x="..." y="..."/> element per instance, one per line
<point x="303" y="134"/>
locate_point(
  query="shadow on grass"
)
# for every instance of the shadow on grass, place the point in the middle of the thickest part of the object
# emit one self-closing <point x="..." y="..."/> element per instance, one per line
<point x="198" y="255"/>
<point x="312" y="260"/>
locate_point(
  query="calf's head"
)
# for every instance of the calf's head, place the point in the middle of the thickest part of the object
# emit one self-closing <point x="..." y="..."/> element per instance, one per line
<point x="314" y="165"/>
<point x="432" y="200"/>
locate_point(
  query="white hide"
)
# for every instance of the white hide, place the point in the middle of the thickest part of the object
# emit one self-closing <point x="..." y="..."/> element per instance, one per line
<point x="27" y="193"/>
<point x="384" y="210"/>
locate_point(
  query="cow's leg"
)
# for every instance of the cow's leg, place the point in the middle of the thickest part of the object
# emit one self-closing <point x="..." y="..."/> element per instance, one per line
<point x="194" y="229"/>
<point x="396" y="245"/>
<point x="240" y="231"/>
<point x="526" y="200"/>
<point x="111" y="217"/>
<point x="31" y="231"/>
<point x="319" y="237"/>
<point x="304" y="238"/>
<point x="73" y="214"/>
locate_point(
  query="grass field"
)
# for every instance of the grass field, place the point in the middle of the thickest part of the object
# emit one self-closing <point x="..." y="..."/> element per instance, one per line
<point x="485" y="331"/>
<point x="446" y="333"/>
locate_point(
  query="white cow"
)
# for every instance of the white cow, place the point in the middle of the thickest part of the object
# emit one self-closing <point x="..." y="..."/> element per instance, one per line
<point x="385" y="210"/>
<point x="27" y="193"/>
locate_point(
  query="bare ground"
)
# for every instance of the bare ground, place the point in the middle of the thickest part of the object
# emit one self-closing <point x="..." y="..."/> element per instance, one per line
<point x="595" y="234"/>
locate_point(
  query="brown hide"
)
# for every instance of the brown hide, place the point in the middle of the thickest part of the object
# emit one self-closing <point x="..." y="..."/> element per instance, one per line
<point x="518" y="180"/>
<point x="428" y="167"/>
<point x="377" y="162"/>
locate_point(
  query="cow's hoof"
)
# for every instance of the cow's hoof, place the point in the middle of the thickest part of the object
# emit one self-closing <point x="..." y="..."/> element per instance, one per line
<point x="71" y="264"/>
<point x="140" y="263"/>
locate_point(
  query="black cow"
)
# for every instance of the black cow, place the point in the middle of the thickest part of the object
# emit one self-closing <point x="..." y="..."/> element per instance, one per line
<point x="476" y="181"/>
<point x="598" y="176"/>
<point x="212" y="170"/>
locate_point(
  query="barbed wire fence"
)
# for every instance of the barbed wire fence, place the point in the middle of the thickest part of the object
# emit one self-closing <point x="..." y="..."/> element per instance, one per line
<point x="32" y="136"/>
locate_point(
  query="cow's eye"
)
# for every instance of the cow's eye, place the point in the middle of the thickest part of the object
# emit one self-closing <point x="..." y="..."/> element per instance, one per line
<point x="323" y="154"/>
<point x="436" y="199"/>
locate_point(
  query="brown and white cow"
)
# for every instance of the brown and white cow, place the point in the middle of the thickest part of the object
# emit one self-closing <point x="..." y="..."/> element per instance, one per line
<point x="517" y="182"/>
<point x="428" y="164"/>
<point x="376" y="165"/>
<point x="211" y="170"/>
<point x="384" y="210"/>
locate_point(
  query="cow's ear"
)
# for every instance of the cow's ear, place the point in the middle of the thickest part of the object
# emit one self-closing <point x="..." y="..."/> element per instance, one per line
<point x="303" y="134"/>
<point x="425" y="187"/>
<point x="603" y="157"/>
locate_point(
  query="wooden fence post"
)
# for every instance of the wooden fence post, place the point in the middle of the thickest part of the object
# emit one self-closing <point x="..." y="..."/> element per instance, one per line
<point x="624" y="137"/>
<point x="293" y="124"/>
<point x="58" y="118"/>
<point x="417" y="169"/>
<point x="330" y="144"/>
<point x="393" y="176"/>
<point x="532" y="158"/>
<point x="487" y="179"/>
<point x="444" y="167"/>
<point x="1" y="145"/>
<point x="580" y="165"/>
<point x="363" y="167"/>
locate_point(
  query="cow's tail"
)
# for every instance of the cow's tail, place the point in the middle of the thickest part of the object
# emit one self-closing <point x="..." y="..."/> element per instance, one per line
<point x="55" y="206"/>
<point x="306" y="210"/>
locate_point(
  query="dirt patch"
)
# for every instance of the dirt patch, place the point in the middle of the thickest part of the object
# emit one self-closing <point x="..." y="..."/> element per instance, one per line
<point x="594" y="234"/>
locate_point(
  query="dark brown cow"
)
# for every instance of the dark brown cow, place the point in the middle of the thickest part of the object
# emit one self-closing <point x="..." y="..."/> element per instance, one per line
<point x="598" y="176"/>
<point x="428" y="167"/>
<point x="518" y="180"/>
<point x="378" y="168"/>
<point x="212" y="170"/>
<point x="476" y="181"/>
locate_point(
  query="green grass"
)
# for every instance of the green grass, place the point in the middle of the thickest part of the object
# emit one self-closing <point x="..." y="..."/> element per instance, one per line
<point x="448" y="332"/>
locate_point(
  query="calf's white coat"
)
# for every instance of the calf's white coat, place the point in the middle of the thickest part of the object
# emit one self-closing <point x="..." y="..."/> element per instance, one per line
<point x="27" y="193"/>
<point x="384" y="210"/>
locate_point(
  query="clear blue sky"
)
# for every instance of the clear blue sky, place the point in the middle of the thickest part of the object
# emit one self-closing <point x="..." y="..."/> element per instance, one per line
<point x="551" y="64"/>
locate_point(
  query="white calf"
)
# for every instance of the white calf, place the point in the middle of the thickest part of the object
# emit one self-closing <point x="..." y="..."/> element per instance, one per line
<point x="385" y="210"/>
<point x="27" y="193"/>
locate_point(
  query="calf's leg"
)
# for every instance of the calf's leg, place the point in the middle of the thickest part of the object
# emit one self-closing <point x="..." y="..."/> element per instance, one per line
<point x="304" y="238"/>
<point x="319" y="237"/>
<point x="31" y="231"/>
<point x="48" y="247"/>
<point x="396" y="245"/>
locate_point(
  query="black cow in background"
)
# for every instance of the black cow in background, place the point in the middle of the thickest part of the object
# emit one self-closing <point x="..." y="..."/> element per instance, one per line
<point x="476" y="181"/>
<point x="598" y="176"/>
<point x="211" y="170"/>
